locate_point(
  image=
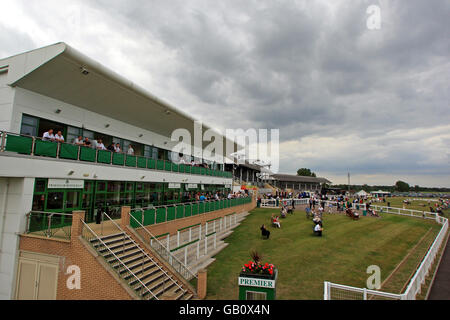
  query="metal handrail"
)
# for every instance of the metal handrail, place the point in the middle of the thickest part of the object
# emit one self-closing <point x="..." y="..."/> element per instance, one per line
<point x="144" y="253"/>
<point x="152" y="237"/>
<point x="117" y="258"/>
<point x="47" y="231"/>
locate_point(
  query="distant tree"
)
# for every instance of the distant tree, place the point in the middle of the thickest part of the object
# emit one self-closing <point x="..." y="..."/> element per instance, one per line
<point x="304" y="172"/>
<point x="416" y="188"/>
<point x="401" y="186"/>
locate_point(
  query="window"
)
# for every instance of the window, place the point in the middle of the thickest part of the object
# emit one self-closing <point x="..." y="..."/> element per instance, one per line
<point x="73" y="133"/>
<point x="29" y="125"/>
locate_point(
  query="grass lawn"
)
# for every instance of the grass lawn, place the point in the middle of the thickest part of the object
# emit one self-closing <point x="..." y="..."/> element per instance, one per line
<point x="305" y="261"/>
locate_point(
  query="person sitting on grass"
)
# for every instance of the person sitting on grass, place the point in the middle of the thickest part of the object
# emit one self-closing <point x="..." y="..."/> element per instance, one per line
<point x="318" y="230"/>
<point x="283" y="212"/>
<point x="265" y="232"/>
<point x="275" y="221"/>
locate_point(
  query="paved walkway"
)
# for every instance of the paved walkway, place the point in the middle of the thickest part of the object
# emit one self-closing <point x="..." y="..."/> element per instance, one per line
<point x="441" y="286"/>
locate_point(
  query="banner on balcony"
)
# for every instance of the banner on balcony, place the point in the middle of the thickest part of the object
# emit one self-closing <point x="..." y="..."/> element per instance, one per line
<point x="65" y="184"/>
<point x="173" y="185"/>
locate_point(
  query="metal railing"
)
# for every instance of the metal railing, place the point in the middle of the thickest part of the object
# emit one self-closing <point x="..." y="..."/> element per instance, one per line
<point x="126" y="236"/>
<point x="37" y="146"/>
<point x="49" y="224"/>
<point x="117" y="264"/>
<point x="163" y="251"/>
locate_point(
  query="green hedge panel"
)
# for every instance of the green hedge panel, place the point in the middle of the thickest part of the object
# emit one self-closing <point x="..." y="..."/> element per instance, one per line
<point x="149" y="217"/>
<point x="138" y="216"/>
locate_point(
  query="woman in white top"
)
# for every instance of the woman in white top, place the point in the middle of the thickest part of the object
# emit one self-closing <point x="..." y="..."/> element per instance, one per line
<point x="100" y="145"/>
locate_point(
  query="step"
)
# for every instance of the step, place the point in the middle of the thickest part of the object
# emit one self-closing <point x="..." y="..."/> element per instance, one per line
<point x="118" y="251"/>
<point x="141" y="271"/>
<point x="124" y="256"/>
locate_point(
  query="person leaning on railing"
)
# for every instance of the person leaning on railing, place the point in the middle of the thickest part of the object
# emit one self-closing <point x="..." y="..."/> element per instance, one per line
<point x="48" y="136"/>
<point x="59" y="137"/>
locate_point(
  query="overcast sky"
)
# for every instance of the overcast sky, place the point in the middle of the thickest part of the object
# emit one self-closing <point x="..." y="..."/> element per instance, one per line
<point x="345" y="98"/>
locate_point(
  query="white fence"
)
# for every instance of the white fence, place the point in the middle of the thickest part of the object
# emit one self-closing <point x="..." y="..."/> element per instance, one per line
<point x="333" y="291"/>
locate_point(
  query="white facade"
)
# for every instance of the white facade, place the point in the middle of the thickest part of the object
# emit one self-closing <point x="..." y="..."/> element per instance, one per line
<point x="18" y="172"/>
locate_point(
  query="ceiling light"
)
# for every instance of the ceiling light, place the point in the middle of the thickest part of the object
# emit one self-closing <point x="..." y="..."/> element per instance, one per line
<point x="84" y="71"/>
<point x="58" y="111"/>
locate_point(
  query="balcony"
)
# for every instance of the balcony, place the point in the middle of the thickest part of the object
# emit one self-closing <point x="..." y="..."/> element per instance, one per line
<point x="36" y="147"/>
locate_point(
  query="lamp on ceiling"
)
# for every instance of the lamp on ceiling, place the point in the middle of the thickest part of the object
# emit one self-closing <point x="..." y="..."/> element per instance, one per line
<point x="84" y="71"/>
<point x="58" y="111"/>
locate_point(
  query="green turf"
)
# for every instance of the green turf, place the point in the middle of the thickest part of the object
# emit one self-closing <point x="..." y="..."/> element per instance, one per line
<point x="305" y="261"/>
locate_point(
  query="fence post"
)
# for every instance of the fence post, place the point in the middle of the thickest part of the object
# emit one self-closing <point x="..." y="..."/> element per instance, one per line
<point x="214" y="225"/>
<point x="364" y="294"/>
<point x="325" y="291"/>
<point x="206" y="229"/>
<point x="198" y="250"/>
<point x="190" y="234"/>
<point x="178" y="238"/>
<point x="185" y="255"/>
<point x="215" y="239"/>
<point x="206" y="246"/>
<point x="168" y="242"/>
<point x="200" y="232"/>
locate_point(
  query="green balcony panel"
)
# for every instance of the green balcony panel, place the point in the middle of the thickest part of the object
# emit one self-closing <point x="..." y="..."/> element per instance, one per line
<point x="167" y="165"/>
<point x="19" y="144"/>
<point x="138" y="216"/>
<point x="181" y="167"/>
<point x="87" y="154"/>
<point x="216" y="205"/>
<point x="160" y="164"/>
<point x="142" y="162"/>
<point x="118" y="159"/>
<point x="201" y="207"/>
<point x="187" y="210"/>
<point x="149" y="217"/>
<point x="222" y="204"/>
<point x="130" y="161"/>
<point x="160" y="215"/>
<point x="195" y="209"/>
<point x="151" y="164"/>
<point x="170" y="213"/>
<point x="180" y="212"/>
<point x="68" y="151"/>
<point x="174" y="167"/>
<point x="104" y="156"/>
<point x="203" y="171"/>
<point x="188" y="169"/>
<point x="45" y="148"/>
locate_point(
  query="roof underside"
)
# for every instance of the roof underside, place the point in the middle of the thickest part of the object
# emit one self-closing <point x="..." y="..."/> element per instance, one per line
<point x="104" y="92"/>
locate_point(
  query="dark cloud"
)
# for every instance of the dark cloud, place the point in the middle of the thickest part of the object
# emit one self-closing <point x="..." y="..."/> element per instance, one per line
<point x="311" y="69"/>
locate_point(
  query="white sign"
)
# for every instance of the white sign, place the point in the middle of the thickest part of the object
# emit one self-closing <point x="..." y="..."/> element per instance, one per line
<point x="173" y="185"/>
<point x="255" y="282"/>
<point x="65" y="184"/>
<point x="192" y="186"/>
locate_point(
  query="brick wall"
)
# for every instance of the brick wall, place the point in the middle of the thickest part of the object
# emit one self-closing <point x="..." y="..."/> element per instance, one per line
<point x="97" y="283"/>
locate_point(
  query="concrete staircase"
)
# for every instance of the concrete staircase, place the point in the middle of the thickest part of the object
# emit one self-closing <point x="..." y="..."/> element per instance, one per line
<point x="143" y="274"/>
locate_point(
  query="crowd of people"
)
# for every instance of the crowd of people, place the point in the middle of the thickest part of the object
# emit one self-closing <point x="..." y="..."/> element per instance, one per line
<point x="85" y="142"/>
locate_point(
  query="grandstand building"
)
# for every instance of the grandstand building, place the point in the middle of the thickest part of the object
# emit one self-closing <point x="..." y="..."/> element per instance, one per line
<point x="299" y="183"/>
<point x="56" y="87"/>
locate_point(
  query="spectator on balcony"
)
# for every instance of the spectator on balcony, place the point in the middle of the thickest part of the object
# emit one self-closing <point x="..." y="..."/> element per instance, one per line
<point x="48" y="136"/>
<point x="100" y="145"/>
<point x="78" y="141"/>
<point x="87" y="142"/>
<point x="130" y="150"/>
<point x="117" y="148"/>
<point x="59" y="137"/>
<point x="111" y="147"/>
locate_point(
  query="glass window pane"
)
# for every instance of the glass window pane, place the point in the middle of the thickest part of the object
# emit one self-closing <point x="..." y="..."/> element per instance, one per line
<point x="32" y="121"/>
<point x="88" y="134"/>
<point x="73" y="130"/>
<point x="38" y="202"/>
<point x="39" y="185"/>
<point x="55" y="200"/>
<point x="28" y="130"/>
<point x="72" y="199"/>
